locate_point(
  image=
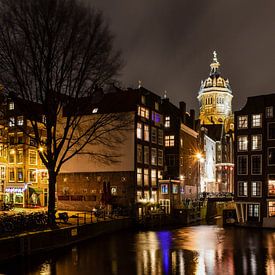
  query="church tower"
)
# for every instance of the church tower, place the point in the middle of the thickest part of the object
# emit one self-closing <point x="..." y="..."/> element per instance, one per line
<point x="215" y="97"/>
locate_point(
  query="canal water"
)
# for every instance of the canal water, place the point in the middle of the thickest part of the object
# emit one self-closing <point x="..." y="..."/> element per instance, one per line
<point x="202" y="249"/>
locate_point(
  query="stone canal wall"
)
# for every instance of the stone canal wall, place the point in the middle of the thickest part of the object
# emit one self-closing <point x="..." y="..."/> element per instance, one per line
<point x="35" y="242"/>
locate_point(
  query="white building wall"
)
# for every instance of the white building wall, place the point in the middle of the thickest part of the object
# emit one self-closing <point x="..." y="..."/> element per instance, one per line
<point x="209" y="175"/>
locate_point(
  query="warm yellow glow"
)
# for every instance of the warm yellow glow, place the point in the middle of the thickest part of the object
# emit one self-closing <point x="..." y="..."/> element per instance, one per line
<point x="41" y="149"/>
<point x="199" y="155"/>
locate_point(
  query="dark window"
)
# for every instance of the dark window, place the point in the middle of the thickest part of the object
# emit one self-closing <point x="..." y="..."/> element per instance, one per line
<point x="170" y="160"/>
<point x="242" y="165"/>
<point x="256" y="165"/>
<point x="271" y="130"/>
<point x="271" y="156"/>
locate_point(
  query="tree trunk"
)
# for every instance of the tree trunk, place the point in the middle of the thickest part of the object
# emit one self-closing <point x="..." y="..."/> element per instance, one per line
<point x="51" y="205"/>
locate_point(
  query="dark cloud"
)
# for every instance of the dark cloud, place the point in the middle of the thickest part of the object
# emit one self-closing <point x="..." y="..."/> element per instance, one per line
<point x="168" y="44"/>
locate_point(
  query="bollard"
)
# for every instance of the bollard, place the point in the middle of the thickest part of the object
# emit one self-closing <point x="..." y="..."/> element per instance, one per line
<point x="84" y="217"/>
<point x="92" y="217"/>
<point x="77" y="219"/>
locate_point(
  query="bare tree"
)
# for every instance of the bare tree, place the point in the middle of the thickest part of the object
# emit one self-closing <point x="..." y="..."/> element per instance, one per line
<point x="55" y="54"/>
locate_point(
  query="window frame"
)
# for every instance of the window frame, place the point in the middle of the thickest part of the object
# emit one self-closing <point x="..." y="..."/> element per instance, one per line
<point x="261" y="164"/>
<point x="260" y="189"/>
<point x="267" y="109"/>
<point x="268" y="156"/>
<point x="268" y="130"/>
<point x="238" y="121"/>
<point x="245" y="194"/>
<point x="261" y="138"/>
<point x="238" y="143"/>
<point x="252" y="120"/>
<point x="242" y="156"/>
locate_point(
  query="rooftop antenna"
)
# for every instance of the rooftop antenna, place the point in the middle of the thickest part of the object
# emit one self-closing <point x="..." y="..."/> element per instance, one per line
<point x="165" y="94"/>
<point x="139" y="84"/>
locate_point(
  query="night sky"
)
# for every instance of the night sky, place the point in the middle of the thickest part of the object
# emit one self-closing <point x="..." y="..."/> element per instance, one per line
<point x="168" y="44"/>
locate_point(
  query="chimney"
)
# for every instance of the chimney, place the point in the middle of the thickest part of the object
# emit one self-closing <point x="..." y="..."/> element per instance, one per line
<point x="183" y="111"/>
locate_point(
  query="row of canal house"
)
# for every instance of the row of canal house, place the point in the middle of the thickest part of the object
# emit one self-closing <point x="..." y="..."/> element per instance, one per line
<point x="156" y="162"/>
<point x="255" y="161"/>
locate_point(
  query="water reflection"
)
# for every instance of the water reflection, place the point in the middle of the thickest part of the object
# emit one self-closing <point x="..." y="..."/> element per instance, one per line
<point x="191" y="250"/>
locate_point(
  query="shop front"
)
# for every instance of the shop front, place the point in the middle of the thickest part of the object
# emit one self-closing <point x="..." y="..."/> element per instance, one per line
<point x="15" y="195"/>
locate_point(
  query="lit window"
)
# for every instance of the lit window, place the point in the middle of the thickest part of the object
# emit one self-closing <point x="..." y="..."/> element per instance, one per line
<point x="256" y="142"/>
<point x="12" y="122"/>
<point x="242" y="165"/>
<point x="143" y="112"/>
<point x="154" y="156"/>
<point x="271" y="185"/>
<point x="11" y="174"/>
<point x="271" y="130"/>
<point x="242" y="143"/>
<point x="154" y="135"/>
<point x="146" y="155"/>
<point x="113" y="190"/>
<point x="160" y="175"/>
<point x="181" y="142"/>
<point x="256" y="120"/>
<point x="139" y="176"/>
<point x="271" y="156"/>
<point x="167" y="122"/>
<point x="20" y="174"/>
<point x="139" y="130"/>
<point x="242" y="188"/>
<point x="242" y="122"/>
<point x="139" y="153"/>
<point x="256" y="165"/>
<point x="269" y="112"/>
<point x="160" y="157"/>
<point x="160" y="137"/>
<point x="154" y="176"/>
<point x="32" y="175"/>
<point x="146" y="133"/>
<point x="156" y="106"/>
<point x="11" y="105"/>
<point x="20" y="120"/>
<point x="157" y="118"/>
<point x="256" y="188"/>
<point x="175" y="189"/>
<point x="253" y="210"/>
<point x="12" y="156"/>
<point x="32" y="157"/>
<point x="19" y="156"/>
<point x="271" y="208"/>
<point x="169" y="141"/>
<point x="2" y="172"/>
<point x="164" y="188"/>
<point x="95" y="110"/>
<point x="146" y="177"/>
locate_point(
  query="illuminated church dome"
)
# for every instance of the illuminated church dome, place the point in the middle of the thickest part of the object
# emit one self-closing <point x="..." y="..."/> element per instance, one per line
<point x="215" y="96"/>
